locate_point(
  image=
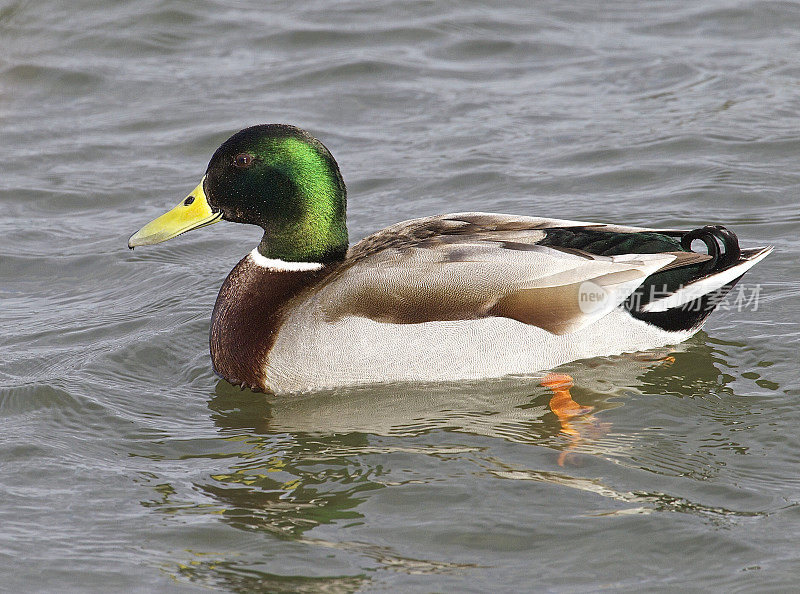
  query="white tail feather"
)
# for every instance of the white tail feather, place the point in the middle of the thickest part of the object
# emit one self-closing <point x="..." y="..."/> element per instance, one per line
<point x="705" y="285"/>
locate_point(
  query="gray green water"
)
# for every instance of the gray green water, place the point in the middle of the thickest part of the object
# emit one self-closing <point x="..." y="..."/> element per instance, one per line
<point x="125" y="464"/>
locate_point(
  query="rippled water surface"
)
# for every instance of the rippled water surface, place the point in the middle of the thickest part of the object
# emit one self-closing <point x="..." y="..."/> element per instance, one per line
<point x="125" y="464"/>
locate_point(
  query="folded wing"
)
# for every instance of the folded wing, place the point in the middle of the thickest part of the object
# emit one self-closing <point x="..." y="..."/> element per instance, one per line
<point x="473" y="266"/>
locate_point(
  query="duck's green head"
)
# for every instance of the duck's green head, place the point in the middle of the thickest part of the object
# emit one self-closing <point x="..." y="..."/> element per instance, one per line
<point x="277" y="177"/>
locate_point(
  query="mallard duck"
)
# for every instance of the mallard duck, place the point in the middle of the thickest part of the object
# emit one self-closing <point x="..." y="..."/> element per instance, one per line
<point x="457" y="296"/>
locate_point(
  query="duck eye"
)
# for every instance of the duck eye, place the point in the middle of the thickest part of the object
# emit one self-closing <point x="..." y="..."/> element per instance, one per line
<point x="243" y="160"/>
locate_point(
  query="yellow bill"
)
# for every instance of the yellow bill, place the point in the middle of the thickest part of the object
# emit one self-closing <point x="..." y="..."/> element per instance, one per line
<point x="192" y="212"/>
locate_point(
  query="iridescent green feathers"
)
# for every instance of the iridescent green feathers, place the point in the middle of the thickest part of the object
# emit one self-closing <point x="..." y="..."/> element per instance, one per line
<point x="284" y="180"/>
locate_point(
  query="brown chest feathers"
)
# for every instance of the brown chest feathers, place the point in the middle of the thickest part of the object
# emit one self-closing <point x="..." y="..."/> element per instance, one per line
<point x="247" y="316"/>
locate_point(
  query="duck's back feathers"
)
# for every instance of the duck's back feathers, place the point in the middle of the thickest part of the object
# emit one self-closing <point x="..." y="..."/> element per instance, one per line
<point x="514" y="231"/>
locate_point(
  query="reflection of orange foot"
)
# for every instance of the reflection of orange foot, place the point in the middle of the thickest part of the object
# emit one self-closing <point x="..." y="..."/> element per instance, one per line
<point x="561" y="402"/>
<point x="565" y="408"/>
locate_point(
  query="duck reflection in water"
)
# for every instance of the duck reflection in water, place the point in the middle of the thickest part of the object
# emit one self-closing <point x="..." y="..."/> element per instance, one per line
<point x="290" y="465"/>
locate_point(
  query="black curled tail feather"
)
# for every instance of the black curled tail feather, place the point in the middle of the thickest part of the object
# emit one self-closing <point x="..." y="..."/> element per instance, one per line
<point x="721" y="243"/>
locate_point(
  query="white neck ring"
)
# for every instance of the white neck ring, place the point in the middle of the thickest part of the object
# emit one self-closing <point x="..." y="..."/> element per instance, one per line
<point x="282" y="265"/>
